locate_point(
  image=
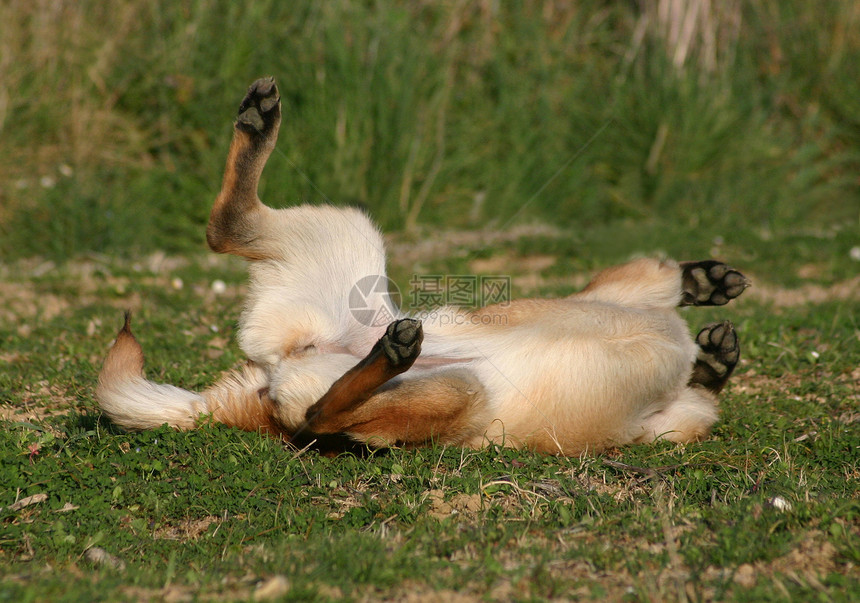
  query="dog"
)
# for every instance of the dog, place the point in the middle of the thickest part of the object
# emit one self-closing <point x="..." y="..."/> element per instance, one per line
<point x="611" y="365"/>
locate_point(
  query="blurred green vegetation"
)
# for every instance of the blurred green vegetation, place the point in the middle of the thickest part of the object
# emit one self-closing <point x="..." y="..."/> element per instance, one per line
<point x="115" y="117"/>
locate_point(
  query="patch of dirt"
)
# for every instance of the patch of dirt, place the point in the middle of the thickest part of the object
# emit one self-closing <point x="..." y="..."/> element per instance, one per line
<point x="782" y="297"/>
<point x="188" y="529"/>
<point x="421" y="593"/>
<point x="753" y="384"/>
<point x="594" y="480"/>
<point x="468" y="504"/>
<point x="505" y="263"/>
<point x="31" y="414"/>
<point x="31" y="403"/>
<point x="22" y="301"/>
<point x="407" y="250"/>
<point x="526" y="272"/>
<point x="807" y="564"/>
<point x="176" y="593"/>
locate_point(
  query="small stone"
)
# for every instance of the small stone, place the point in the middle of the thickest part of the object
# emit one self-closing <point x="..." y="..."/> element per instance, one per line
<point x="780" y="504"/>
<point x="273" y="588"/>
<point x="745" y="575"/>
<point x="99" y="556"/>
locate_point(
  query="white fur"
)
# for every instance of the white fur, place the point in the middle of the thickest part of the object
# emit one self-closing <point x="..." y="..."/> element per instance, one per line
<point x="143" y="404"/>
<point x="616" y="358"/>
<point x="607" y="366"/>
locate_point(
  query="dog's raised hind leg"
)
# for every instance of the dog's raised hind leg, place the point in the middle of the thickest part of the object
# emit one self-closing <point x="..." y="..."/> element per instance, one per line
<point x="710" y="283"/>
<point x="238" y="216"/>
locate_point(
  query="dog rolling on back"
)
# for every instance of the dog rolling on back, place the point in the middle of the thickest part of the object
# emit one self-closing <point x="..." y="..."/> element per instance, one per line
<point x="611" y="365"/>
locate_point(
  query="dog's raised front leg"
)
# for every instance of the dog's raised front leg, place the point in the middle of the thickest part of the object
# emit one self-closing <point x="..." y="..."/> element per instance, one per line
<point x="393" y="354"/>
<point x="448" y="406"/>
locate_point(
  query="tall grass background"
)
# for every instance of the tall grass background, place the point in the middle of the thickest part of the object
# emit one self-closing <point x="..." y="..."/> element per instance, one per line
<point x="115" y="116"/>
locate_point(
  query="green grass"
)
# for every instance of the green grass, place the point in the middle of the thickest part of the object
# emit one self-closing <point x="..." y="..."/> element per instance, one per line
<point x="217" y="513"/>
<point x="428" y="113"/>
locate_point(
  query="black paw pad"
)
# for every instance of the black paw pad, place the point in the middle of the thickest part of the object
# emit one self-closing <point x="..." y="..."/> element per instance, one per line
<point x="401" y="343"/>
<point x="719" y="347"/>
<point x="718" y="355"/>
<point x="260" y="109"/>
<point x="710" y="283"/>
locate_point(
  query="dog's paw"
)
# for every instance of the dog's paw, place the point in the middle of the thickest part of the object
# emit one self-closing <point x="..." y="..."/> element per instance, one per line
<point x="260" y="110"/>
<point x="719" y="352"/>
<point x="719" y="347"/>
<point x="710" y="283"/>
<point x="401" y="343"/>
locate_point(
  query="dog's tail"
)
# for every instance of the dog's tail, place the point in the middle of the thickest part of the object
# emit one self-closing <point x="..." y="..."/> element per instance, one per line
<point x="240" y="399"/>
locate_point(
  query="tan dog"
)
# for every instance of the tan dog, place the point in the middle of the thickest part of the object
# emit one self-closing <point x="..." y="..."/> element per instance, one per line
<point x="611" y="365"/>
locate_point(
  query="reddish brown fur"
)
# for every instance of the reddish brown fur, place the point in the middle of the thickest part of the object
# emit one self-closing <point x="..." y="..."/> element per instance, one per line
<point x="248" y="410"/>
<point x="237" y="208"/>
<point x="448" y="408"/>
<point x="126" y="357"/>
<point x="350" y="391"/>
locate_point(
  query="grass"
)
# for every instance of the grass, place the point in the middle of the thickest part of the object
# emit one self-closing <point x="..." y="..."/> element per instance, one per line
<point x="217" y="513"/>
<point x="541" y="141"/>
<point x="430" y="114"/>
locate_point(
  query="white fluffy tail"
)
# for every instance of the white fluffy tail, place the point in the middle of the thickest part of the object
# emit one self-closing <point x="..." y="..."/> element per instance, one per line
<point x="240" y="399"/>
